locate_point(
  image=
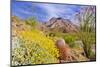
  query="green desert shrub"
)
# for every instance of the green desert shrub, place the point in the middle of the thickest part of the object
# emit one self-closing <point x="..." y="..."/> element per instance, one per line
<point x="88" y="40"/>
<point x="86" y="17"/>
<point x="70" y="39"/>
<point x="31" y="21"/>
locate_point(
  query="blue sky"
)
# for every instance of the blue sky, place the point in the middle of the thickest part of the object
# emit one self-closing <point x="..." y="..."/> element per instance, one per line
<point x="43" y="11"/>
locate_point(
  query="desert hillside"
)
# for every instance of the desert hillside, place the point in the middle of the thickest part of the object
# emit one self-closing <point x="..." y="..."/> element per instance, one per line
<point x="34" y="42"/>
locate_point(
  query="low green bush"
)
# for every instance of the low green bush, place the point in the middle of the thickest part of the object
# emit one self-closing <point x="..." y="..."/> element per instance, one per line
<point x="70" y="39"/>
<point x="88" y="40"/>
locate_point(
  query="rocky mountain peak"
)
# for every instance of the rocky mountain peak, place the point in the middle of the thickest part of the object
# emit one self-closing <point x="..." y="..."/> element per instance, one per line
<point x="61" y="24"/>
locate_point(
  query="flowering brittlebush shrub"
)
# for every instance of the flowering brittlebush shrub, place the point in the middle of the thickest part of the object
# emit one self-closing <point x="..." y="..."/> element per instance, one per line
<point x="34" y="48"/>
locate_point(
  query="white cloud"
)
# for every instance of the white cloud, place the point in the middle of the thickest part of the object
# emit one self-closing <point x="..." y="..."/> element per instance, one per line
<point x="55" y="10"/>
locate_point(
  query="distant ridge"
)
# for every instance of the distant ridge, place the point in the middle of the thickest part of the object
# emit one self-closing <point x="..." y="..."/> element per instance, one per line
<point x="61" y="25"/>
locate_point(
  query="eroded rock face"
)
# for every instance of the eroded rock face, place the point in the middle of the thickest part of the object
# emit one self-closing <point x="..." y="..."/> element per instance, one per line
<point x="61" y="25"/>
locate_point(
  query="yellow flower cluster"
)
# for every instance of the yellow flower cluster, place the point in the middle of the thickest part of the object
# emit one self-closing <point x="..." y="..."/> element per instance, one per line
<point x="35" y="48"/>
